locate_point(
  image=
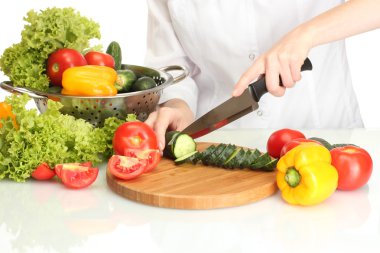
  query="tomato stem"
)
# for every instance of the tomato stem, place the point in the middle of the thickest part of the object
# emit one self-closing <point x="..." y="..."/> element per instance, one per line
<point x="55" y="68"/>
<point x="292" y="177"/>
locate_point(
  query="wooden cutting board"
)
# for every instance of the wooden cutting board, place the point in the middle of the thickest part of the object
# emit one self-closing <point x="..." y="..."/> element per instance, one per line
<point x="189" y="186"/>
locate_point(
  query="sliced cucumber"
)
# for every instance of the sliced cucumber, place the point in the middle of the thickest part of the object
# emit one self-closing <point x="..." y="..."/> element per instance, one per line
<point x="231" y="161"/>
<point x="260" y="162"/>
<point x="227" y="152"/>
<point x="270" y="166"/>
<point x="185" y="158"/>
<point x="178" y="144"/>
<point x="210" y="160"/>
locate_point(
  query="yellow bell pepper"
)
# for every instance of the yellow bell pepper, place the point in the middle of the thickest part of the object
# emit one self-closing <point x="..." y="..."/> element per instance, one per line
<point x="6" y="112"/>
<point x="305" y="175"/>
<point x="89" y="80"/>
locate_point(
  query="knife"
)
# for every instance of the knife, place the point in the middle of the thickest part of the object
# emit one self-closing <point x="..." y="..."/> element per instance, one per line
<point x="234" y="108"/>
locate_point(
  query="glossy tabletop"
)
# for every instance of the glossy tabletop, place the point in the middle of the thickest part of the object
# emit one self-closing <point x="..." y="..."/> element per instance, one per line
<point x="47" y="217"/>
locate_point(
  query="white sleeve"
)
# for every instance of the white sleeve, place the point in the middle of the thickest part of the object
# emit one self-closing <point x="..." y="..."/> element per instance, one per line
<point x="163" y="49"/>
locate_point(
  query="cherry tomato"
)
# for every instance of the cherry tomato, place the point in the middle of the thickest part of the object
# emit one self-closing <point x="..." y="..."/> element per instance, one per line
<point x="99" y="58"/>
<point x="58" y="167"/>
<point x="125" y="167"/>
<point x="43" y="172"/>
<point x="354" y="165"/>
<point x="134" y="135"/>
<point x="279" y="138"/>
<point x="152" y="157"/>
<point x="294" y="143"/>
<point x="61" y="60"/>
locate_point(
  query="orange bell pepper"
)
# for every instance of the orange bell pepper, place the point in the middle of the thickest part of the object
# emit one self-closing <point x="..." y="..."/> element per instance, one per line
<point x="89" y="80"/>
<point x="6" y="112"/>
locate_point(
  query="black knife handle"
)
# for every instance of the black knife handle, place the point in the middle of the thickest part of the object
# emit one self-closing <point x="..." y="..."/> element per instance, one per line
<point x="259" y="88"/>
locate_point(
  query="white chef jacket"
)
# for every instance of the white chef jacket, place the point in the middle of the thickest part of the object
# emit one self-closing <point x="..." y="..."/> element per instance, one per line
<point x="217" y="41"/>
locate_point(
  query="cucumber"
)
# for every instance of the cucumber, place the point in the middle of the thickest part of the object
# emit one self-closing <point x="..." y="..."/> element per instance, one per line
<point x="178" y="144"/>
<point x="209" y="160"/>
<point x="250" y="157"/>
<point x="205" y="154"/>
<point x="342" y="145"/>
<point x="143" y="83"/>
<point x="185" y="158"/>
<point x="232" y="162"/>
<point x="260" y="161"/>
<point x="270" y="166"/>
<point x="325" y="143"/>
<point x="114" y="50"/>
<point x="125" y="79"/>
<point x="227" y="152"/>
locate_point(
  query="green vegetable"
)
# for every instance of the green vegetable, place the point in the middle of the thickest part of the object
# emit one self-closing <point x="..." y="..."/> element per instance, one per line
<point x="49" y="137"/>
<point x="143" y="83"/>
<point x="325" y="143"/>
<point x="181" y="148"/>
<point x="178" y="144"/>
<point x="125" y="79"/>
<point x="114" y="49"/>
<point x="45" y="32"/>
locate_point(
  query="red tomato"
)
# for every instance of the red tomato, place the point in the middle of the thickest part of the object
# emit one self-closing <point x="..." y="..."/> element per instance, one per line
<point x="152" y="157"/>
<point x="78" y="176"/>
<point x="61" y="60"/>
<point x="43" y="172"/>
<point x="294" y="143"/>
<point x="354" y="166"/>
<point x="134" y="135"/>
<point x="58" y="167"/>
<point x="99" y="58"/>
<point x="125" y="167"/>
<point x="279" y="138"/>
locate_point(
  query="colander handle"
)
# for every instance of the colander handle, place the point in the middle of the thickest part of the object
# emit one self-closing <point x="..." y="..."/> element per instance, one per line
<point x="181" y="76"/>
<point x="12" y="89"/>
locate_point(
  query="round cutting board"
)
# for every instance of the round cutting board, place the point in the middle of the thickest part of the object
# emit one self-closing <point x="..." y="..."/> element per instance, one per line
<point x="189" y="186"/>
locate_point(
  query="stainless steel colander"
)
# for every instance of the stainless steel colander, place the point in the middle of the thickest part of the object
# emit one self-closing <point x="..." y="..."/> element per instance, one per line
<point x="96" y="109"/>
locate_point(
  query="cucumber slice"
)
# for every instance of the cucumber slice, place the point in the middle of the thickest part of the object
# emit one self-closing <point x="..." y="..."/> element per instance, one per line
<point x="208" y="151"/>
<point x="260" y="161"/>
<point x="185" y="158"/>
<point x="210" y="160"/>
<point x="250" y="157"/>
<point x="226" y="164"/>
<point x="271" y="166"/>
<point x="232" y="162"/>
<point x="227" y="152"/>
<point x="178" y="145"/>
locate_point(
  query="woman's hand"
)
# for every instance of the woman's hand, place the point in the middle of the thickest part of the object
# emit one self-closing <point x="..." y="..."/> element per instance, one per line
<point x="174" y="114"/>
<point x="283" y="60"/>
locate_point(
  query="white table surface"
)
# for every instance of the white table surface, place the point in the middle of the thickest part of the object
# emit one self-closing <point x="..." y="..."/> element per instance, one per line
<point x="47" y="217"/>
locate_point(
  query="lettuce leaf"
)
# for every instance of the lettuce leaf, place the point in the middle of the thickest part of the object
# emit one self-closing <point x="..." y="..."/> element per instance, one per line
<point x="50" y="137"/>
<point x="45" y="32"/>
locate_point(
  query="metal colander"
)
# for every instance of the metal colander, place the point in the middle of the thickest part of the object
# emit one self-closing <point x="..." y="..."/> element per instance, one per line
<point x="96" y="109"/>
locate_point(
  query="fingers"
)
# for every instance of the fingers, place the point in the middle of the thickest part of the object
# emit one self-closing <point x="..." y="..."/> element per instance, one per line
<point x="272" y="77"/>
<point x="278" y="68"/>
<point x="163" y="120"/>
<point x="250" y="75"/>
<point x="151" y="121"/>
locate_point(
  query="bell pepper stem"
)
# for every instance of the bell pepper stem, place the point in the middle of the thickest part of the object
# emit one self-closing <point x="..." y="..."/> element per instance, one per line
<point x="292" y="177"/>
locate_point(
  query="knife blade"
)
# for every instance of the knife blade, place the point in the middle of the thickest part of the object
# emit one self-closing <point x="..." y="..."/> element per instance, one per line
<point x="234" y="108"/>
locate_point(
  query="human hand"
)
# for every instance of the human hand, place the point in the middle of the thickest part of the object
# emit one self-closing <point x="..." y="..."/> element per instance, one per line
<point x="282" y="60"/>
<point x="174" y="114"/>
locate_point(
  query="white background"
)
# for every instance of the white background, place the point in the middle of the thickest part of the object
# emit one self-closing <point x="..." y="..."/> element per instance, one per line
<point x="126" y="21"/>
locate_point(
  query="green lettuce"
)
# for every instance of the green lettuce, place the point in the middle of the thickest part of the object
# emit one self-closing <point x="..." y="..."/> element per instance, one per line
<point x="45" y="32"/>
<point x="50" y="137"/>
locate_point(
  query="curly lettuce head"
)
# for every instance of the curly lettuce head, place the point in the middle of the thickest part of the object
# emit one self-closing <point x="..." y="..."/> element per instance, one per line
<point x="45" y="32"/>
